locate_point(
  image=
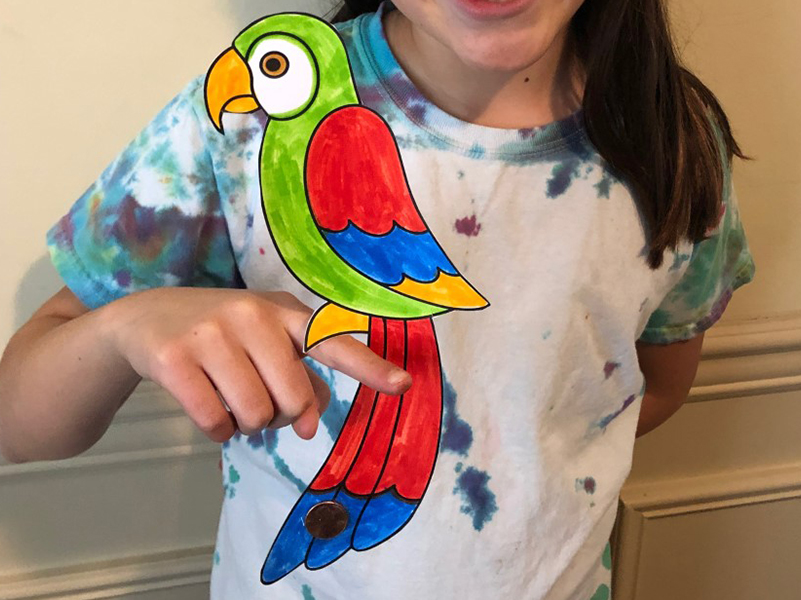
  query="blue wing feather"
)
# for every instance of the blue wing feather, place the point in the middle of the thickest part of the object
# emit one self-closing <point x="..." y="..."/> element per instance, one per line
<point x="389" y="258"/>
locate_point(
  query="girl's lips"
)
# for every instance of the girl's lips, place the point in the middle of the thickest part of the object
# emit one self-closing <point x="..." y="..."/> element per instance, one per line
<point x="489" y="9"/>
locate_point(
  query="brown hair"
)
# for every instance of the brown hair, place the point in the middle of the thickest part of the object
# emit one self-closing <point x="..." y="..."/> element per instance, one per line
<point x="656" y="124"/>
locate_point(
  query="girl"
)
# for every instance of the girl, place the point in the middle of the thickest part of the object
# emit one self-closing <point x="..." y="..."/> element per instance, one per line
<point x="574" y="172"/>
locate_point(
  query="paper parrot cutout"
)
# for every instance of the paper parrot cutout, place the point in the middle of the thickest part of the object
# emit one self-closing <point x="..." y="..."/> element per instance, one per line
<point x="342" y="217"/>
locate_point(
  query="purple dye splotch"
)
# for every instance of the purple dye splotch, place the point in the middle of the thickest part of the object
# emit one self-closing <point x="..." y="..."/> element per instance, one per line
<point x="587" y="485"/>
<point x="609" y="368"/>
<point x="468" y="226"/>
<point x="245" y="136"/>
<point x="478" y="501"/>
<point x="716" y="313"/>
<point x="609" y="418"/>
<point x="123" y="278"/>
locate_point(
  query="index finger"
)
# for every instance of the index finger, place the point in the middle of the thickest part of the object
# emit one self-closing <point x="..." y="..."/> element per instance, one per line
<point x="349" y="356"/>
<point x="356" y="360"/>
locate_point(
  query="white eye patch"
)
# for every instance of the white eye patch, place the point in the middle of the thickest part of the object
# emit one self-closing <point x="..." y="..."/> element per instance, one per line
<point x="284" y="76"/>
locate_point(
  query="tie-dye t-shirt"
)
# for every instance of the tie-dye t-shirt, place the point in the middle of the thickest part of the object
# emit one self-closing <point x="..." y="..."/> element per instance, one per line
<point x="541" y="390"/>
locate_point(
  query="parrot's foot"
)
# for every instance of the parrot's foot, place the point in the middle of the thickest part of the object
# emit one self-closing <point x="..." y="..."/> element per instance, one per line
<point x="331" y="320"/>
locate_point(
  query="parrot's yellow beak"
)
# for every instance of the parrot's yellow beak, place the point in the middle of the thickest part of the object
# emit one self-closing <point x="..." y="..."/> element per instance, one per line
<point x="228" y="88"/>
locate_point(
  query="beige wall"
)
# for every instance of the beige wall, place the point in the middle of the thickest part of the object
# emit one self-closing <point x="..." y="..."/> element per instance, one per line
<point x="711" y="494"/>
<point x="711" y="509"/>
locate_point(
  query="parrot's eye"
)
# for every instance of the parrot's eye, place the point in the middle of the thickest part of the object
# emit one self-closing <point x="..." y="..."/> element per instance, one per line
<point x="284" y="75"/>
<point x="274" y="64"/>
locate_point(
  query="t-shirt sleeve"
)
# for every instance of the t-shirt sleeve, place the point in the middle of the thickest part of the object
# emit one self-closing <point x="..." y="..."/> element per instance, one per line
<point x="718" y="265"/>
<point x="152" y="219"/>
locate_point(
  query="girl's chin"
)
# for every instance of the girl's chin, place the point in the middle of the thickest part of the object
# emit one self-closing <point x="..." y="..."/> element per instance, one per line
<point x="498" y="53"/>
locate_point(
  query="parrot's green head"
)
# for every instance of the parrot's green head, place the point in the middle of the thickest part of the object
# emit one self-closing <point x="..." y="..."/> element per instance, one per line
<point x="288" y="64"/>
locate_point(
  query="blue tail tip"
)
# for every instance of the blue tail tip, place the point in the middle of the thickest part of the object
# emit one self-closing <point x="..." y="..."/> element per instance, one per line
<point x="383" y="517"/>
<point x="292" y="544"/>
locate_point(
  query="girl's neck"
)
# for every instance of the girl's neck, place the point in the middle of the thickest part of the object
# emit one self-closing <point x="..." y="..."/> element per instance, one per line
<point x="544" y="92"/>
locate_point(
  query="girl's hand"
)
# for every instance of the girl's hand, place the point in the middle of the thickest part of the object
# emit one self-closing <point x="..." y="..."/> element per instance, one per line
<point x="244" y="345"/>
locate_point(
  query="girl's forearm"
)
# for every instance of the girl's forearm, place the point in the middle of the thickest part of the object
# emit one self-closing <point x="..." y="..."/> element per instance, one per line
<point x="655" y="410"/>
<point x="61" y="382"/>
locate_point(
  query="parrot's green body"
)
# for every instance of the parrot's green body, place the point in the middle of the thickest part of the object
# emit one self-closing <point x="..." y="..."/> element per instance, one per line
<point x="343" y="219"/>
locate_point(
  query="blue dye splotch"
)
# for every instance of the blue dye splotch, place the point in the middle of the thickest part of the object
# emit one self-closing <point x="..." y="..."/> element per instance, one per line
<point x="267" y="440"/>
<point x="678" y="260"/>
<point x="334" y="417"/>
<point x="562" y="176"/>
<point x="457" y="435"/>
<point x="472" y="484"/>
<point x="476" y="151"/>
<point x="611" y="417"/>
<point x="604" y="187"/>
<point x="229" y="482"/>
<point x="478" y="501"/>
<point x="307" y="593"/>
<point x="608" y="178"/>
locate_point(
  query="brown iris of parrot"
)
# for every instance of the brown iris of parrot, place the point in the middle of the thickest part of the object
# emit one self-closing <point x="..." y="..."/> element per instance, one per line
<point x="343" y="219"/>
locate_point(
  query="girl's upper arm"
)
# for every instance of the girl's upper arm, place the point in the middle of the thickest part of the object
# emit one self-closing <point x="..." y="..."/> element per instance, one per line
<point x="64" y="304"/>
<point x="669" y="369"/>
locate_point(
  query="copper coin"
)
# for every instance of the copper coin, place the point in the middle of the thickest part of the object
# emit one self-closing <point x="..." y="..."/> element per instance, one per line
<point x="326" y="520"/>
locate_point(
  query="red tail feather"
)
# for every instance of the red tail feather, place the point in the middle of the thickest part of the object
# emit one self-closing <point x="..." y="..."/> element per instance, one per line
<point x="416" y="440"/>
<point x="391" y="441"/>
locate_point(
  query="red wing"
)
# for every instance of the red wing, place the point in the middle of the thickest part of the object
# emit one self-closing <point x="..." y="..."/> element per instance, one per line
<point x="354" y="175"/>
